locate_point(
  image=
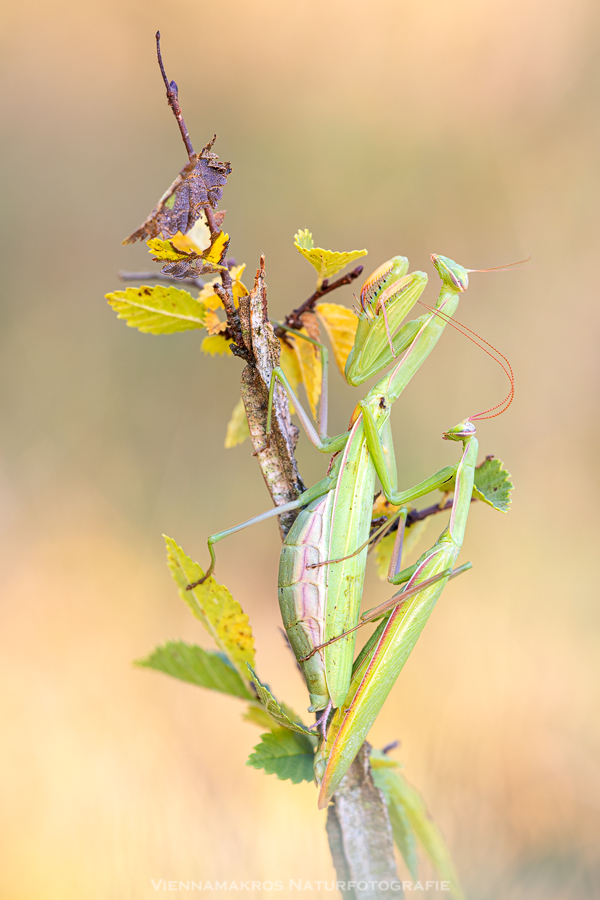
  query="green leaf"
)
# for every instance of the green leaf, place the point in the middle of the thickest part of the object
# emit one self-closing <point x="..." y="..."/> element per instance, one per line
<point x="274" y="709"/>
<point x="326" y="262"/>
<point x="158" y="309"/>
<point x="286" y="754"/>
<point x="493" y="484"/>
<point x="403" y="796"/>
<point x="237" y="427"/>
<point x="213" y="605"/>
<point x="191" y="663"/>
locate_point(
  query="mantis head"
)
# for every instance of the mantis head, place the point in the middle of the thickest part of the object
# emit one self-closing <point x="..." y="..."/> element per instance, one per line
<point x="460" y="432"/>
<point x="451" y="273"/>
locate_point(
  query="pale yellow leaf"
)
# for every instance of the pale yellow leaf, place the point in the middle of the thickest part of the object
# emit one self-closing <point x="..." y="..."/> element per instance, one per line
<point x="237" y="427"/>
<point x="197" y="239"/>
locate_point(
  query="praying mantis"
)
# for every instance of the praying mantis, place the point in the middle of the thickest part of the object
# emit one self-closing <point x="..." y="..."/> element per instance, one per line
<point x="340" y="505"/>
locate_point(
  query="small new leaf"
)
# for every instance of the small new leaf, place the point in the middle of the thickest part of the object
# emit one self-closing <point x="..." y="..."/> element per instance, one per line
<point x="286" y="754"/>
<point x="326" y="262"/>
<point x="213" y="605"/>
<point x="198" y="185"/>
<point x="158" y="309"/>
<point x="340" y="323"/>
<point x="237" y="427"/>
<point x="406" y="800"/>
<point x="191" y="663"/>
<point x="272" y="706"/>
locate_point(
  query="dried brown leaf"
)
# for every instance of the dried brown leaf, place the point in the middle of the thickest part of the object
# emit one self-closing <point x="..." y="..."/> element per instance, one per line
<point x="198" y="185"/>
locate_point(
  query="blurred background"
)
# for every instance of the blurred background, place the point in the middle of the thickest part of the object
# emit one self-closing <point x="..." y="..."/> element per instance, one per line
<point x="465" y="128"/>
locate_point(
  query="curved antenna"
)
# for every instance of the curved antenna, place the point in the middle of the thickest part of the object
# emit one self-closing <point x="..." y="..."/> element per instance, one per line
<point x="519" y="262"/>
<point x="504" y="365"/>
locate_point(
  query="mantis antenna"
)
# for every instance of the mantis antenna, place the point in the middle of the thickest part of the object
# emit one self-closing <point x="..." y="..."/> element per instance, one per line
<point x="476" y="339"/>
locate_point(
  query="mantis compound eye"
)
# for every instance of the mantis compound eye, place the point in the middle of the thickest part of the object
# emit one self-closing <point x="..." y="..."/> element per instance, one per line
<point x="384" y="276"/>
<point x="451" y="273"/>
<point x="464" y="429"/>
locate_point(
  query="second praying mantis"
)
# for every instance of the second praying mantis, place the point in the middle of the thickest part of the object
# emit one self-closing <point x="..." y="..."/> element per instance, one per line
<point x="324" y="555"/>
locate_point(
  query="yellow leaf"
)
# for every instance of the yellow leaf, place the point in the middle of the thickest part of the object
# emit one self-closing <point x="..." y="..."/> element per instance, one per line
<point x="165" y="250"/>
<point x="326" y="262"/>
<point x="237" y="427"/>
<point x="217" y="249"/>
<point x="382" y="507"/>
<point x="340" y="324"/>
<point x="197" y="239"/>
<point x="213" y="324"/>
<point x="158" y="309"/>
<point x="239" y="288"/>
<point x="289" y="364"/>
<point x="309" y="360"/>
<point x="213" y="605"/>
<point x="216" y="345"/>
<point x="208" y="297"/>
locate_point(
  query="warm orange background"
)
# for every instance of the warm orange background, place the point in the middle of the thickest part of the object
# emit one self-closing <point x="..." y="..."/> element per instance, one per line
<point x="465" y="128"/>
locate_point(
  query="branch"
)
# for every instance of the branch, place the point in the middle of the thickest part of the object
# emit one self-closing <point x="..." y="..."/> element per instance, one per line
<point x="294" y="318"/>
<point x="360" y="834"/>
<point x="256" y="339"/>
<point x="173" y="100"/>
<point x="416" y="515"/>
<point x="158" y="276"/>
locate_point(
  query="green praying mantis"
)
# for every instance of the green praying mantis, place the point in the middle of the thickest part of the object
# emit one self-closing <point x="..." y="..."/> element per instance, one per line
<point x="323" y="558"/>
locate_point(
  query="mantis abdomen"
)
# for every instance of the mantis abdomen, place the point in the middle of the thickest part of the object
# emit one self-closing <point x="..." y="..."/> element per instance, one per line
<point x="303" y="592"/>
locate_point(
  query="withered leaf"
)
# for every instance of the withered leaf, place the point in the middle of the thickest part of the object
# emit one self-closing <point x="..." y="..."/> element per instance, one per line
<point x="198" y="185"/>
<point x="182" y="264"/>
